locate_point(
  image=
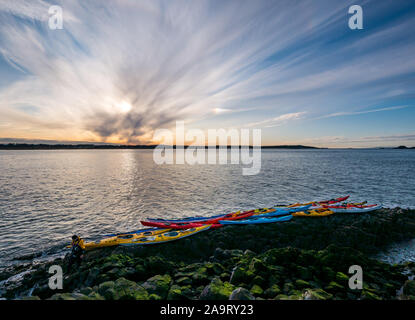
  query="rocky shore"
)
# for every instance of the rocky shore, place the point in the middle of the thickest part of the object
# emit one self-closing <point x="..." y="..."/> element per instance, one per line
<point x="306" y="258"/>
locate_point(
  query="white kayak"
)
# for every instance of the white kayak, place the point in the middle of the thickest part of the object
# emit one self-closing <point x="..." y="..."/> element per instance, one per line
<point x="355" y="209"/>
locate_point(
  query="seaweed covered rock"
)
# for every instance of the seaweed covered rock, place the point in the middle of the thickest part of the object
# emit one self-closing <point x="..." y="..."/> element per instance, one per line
<point x="30" y="298"/>
<point x="177" y="293"/>
<point x="256" y="290"/>
<point x="273" y="261"/>
<point x="217" y="290"/>
<point x="241" y="294"/>
<point x="409" y="288"/>
<point x="70" y="296"/>
<point x="122" y="289"/>
<point x="316" y="294"/>
<point x="272" y="291"/>
<point x="241" y="275"/>
<point x="159" y="285"/>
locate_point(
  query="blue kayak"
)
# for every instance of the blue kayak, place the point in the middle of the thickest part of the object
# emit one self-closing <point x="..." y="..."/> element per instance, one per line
<point x="281" y="212"/>
<point x="258" y="220"/>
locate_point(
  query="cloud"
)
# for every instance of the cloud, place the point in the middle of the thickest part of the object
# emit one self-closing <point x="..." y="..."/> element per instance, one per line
<point x="181" y="60"/>
<point x="28" y="9"/>
<point x="276" y="121"/>
<point x="339" y="114"/>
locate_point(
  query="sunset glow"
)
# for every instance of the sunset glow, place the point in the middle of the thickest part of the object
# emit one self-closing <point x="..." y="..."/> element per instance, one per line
<point x="117" y="75"/>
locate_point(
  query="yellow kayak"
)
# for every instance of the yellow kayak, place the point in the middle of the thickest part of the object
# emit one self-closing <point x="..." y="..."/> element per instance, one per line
<point x="118" y="239"/>
<point x="167" y="236"/>
<point x="313" y="213"/>
<point x="149" y="237"/>
<point x="263" y="211"/>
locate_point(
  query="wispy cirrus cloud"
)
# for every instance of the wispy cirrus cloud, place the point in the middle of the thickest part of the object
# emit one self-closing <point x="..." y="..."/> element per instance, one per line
<point x="340" y="114"/>
<point x="276" y="121"/>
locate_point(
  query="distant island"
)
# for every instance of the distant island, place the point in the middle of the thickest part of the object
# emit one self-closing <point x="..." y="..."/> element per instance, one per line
<point x="59" y="146"/>
<point x="28" y="146"/>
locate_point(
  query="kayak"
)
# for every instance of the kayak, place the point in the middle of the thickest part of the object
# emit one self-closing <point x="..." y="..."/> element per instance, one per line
<point x="274" y="211"/>
<point x="167" y="236"/>
<point x="354" y="204"/>
<point x="121" y="238"/>
<point x="313" y="213"/>
<point x="281" y="212"/>
<point x="189" y="219"/>
<point x="174" y="224"/>
<point x="257" y="220"/>
<point x="178" y="225"/>
<point x="212" y="219"/>
<point x="315" y="203"/>
<point x="356" y="209"/>
<point x="349" y="205"/>
<point x="139" y="231"/>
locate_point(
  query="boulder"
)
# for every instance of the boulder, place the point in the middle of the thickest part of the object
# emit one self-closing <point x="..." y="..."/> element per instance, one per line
<point x="317" y="294"/>
<point x="200" y="276"/>
<point x="334" y="287"/>
<point x="241" y="275"/>
<point x="175" y="293"/>
<point x="272" y="291"/>
<point x="301" y="284"/>
<point x="241" y="294"/>
<point x="106" y="289"/>
<point x="369" y="295"/>
<point x="304" y="273"/>
<point x="217" y="290"/>
<point x="86" y="290"/>
<point x="122" y="289"/>
<point x="256" y="290"/>
<point x="342" y="278"/>
<point x="30" y="298"/>
<point x="409" y="288"/>
<point x="184" y="281"/>
<point x="257" y="266"/>
<point x="95" y="296"/>
<point x="69" y="296"/>
<point x="92" y="276"/>
<point x="159" y="285"/>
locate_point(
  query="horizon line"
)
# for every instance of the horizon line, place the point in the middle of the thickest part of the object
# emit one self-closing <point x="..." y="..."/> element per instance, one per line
<point x="16" y="145"/>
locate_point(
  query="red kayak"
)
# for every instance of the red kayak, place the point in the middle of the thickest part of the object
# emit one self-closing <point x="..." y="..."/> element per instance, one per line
<point x="186" y="225"/>
<point x="230" y="216"/>
<point x="333" y="200"/>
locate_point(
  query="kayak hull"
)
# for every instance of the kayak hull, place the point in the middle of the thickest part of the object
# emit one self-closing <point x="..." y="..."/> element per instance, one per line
<point x="121" y="238"/>
<point x="355" y="209"/>
<point x="214" y="219"/>
<point x="139" y="231"/>
<point x="313" y="213"/>
<point x="178" y="226"/>
<point x="259" y="220"/>
<point x="319" y="203"/>
<point x="167" y="236"/>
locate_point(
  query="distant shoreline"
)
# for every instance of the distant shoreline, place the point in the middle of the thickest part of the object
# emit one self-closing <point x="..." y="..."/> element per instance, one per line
<point x="43" y="146"/>
<point x="26" y="146"/>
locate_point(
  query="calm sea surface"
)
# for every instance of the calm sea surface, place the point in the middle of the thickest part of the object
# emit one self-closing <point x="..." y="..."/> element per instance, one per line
<point x="46" y="196"/>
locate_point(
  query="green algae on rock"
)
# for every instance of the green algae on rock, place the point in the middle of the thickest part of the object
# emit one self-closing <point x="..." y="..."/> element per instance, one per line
<point x="299" y="260"/>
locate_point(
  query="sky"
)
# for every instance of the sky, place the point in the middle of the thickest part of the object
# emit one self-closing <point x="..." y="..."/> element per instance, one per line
<point x="120" y="69"/>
